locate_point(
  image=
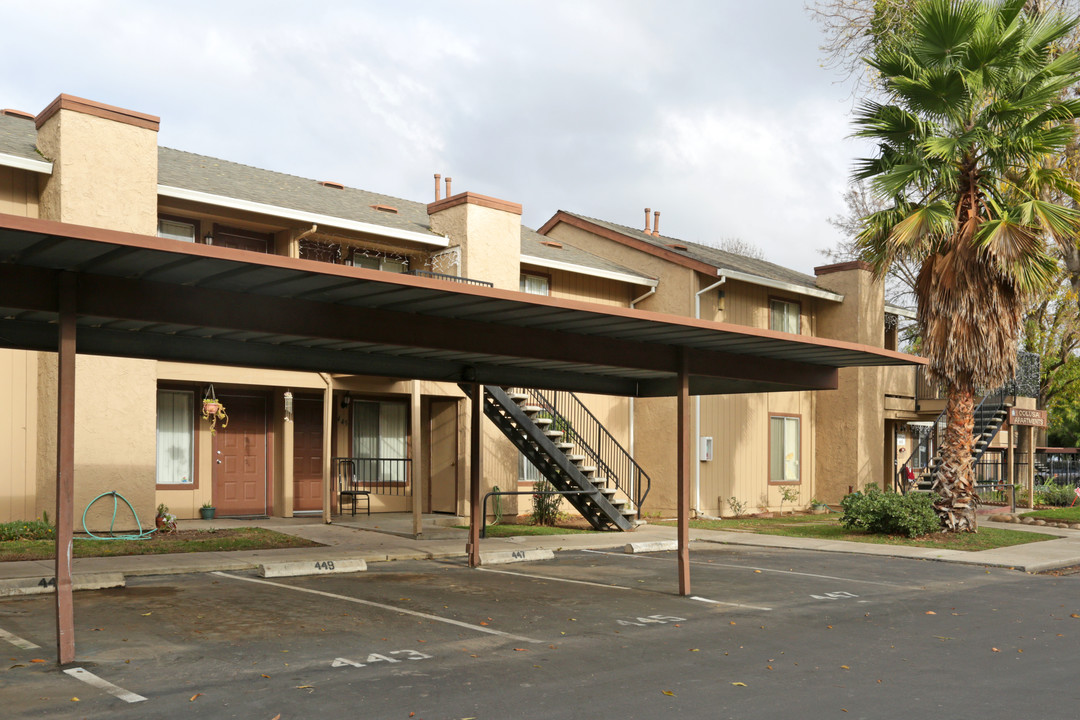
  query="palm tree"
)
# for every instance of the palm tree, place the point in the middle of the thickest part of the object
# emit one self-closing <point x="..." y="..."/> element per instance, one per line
<point x="975" y="112"/>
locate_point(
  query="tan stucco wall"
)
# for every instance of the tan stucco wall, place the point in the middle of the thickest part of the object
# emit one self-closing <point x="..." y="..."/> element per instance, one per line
<point x="850" y="420"/>
<point x="18" y="435"/>
<point x="104" y="173"/>
<point x="115" y="437"/>
<point x="490" y="242"/>
<point x="18" y="192"/>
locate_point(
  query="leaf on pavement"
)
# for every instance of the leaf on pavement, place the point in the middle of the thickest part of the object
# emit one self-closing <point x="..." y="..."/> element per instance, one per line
<point x="929" y="612"/>
<point x="844" y="667"/>
<point x="38" y="660"/>
<point x="668" y="692"/>
<point x="192" y="698"/>
<point x="739" y="684"/>
<point x="993" y="649"/>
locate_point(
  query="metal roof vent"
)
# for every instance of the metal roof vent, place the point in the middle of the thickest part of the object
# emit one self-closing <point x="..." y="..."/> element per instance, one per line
<point x="332" y="184"/>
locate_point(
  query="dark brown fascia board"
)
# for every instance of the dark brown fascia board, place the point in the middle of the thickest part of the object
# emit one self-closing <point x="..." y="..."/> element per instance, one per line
<point x="841" y="267"/>
<point x="474" y="199"/>
<point x="101" y="110"/>
<point x="177" y="247"/>
<point x="632" y="242"/>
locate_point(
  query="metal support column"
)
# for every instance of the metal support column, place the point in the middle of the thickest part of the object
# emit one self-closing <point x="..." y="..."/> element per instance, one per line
<point x="327" y="442"/>
<point x="65" y="470"/>
<point x="683" y="456"/>
<point x="476" y="434"/>
<point x="416" y="464"/>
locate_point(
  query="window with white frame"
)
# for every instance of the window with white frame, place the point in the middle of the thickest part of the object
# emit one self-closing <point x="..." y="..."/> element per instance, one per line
<point x="535" y="284"/>
<point x="380" y="440"/>
<point x="175" y="437"/>
<point x="379" y="262"/>
<point x="784" y="315"/>
<point x="527" y="472"/>
<point x="176" y="229"/>
<point x="784" y="448"/>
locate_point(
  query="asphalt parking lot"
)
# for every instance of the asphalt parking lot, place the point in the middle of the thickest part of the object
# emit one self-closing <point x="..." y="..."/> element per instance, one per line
<point x="590" y="634"/>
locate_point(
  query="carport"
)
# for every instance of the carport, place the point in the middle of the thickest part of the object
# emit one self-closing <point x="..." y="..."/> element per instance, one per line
<point x="67" y="289"/>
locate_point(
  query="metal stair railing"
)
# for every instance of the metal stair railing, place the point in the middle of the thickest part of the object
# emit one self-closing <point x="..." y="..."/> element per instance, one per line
<point x="552" y="462"/>
<point x="987" y="423"/>
<point x="594" y="440"/>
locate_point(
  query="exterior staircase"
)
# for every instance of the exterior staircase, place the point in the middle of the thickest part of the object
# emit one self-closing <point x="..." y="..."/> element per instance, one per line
<point x="558" y="449"/>
<point x="989" y="417"/>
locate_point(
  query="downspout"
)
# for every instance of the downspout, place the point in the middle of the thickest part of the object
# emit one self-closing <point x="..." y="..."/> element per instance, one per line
<point x="635" y="301"/>
<point x="697" y="406"/>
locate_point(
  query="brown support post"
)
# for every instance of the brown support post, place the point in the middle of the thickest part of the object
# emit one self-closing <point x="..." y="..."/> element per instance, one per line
<point x="416" y="465"/>
<point x="1010" y="470"/>
<point x="1031" y="467"/>
<point x="65" y="470"/>
<point x="683" y="456"/>
<point x="476" y="432"/>
<point x="327" y="442"/>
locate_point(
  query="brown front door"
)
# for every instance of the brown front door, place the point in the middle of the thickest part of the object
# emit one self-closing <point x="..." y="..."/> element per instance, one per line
<point x="442" y="487"/>
<point x="307" y="454"/>
<point x="240" y="457"/>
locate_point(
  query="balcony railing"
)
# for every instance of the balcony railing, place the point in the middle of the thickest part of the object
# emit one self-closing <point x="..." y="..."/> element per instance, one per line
<point x="378" y="476"/>
<point x="451" y="278"/>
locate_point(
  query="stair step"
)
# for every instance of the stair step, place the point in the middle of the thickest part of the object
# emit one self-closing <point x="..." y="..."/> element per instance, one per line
<point x="565" y="446"/>
<point x="608" y="492"/>
<point x="531" y="409"/>
<point x="575" y="458"/>
<point x="518" y="397"/>
<point x="543" y="421"/>
<point x="587" y="469"/>
<point x="554" y="433"/>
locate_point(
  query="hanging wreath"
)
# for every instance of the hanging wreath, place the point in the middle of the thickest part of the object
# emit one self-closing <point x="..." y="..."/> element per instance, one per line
<point x="214" y="410"/>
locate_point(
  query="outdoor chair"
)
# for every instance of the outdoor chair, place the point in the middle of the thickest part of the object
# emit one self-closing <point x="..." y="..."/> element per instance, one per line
<point x="349" y="488"/>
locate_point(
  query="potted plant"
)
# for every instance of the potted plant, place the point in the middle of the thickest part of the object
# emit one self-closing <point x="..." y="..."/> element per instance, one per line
<point x="206" y="512"/>
<point x="817" y="507"/>
<point x="165" y="521"/>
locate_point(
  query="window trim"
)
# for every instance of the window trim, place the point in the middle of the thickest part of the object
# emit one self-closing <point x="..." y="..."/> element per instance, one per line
<point x="407" y="262"/>
<point x="531" y="273"/>
<point x="798" y="314"/>
<point x="198" y="239"/>
<point x="768" y="461"/>
<point x="194" y="484"/>
<point x="354" y="400"/>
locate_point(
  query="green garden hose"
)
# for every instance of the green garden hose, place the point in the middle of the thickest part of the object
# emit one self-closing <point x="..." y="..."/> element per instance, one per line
<point x="142" y="535"/>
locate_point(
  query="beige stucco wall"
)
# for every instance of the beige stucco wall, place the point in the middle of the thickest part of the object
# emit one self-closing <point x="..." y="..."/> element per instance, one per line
<point x="489" y="239"/>
<point x="115" y="437"/>
<point x="850" y="420"/>
<point x="18" y="192"/>
<point x="18" y="435"/>
<point x="104" y="172"/>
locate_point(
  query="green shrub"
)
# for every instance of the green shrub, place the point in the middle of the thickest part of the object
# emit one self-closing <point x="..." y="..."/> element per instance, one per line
<point x="890" y="513"/>
<point x="1053" y="494"/>
<point x="545" y="507"/>
<point x="27" y="530"/>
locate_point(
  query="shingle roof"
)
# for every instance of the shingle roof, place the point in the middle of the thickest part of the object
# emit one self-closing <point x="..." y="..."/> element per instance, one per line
<point x="710" y="255"/>
<point x="18" y="137"/>
<point x="200" y="173"/>
<point x="532" y="243"/>
<point x="234" y="180"/>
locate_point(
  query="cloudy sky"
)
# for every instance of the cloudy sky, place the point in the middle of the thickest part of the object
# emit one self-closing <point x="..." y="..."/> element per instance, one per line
<point x="715" y="112"/>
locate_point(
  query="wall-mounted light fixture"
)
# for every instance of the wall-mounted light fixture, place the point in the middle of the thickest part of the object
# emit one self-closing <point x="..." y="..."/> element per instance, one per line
<point x="208" y="239"/>
<point x="345" y="400"/>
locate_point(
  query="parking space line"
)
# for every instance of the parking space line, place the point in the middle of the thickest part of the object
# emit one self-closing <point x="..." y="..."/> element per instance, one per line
<point x="346" y="598"/>
<point x="91" y="679"/>
<point x="752" y="567"/>
<point x="719" y="602"/>
<point x="555" y="579"/>
<point x="17" y="641"/>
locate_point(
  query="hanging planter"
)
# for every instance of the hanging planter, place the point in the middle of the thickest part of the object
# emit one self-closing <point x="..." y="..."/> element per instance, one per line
<point x="214" y="410"/>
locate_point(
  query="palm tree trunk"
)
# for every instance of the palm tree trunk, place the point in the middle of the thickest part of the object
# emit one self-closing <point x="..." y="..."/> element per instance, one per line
<point x="955" y="481"/>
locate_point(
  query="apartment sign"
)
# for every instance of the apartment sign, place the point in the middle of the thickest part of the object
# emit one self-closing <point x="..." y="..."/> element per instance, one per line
<point x="1023" y="416"/>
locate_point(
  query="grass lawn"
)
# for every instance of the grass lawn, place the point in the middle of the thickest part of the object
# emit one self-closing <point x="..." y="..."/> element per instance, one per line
<point x="184" y="541"/>
<point x="828" y="528"/>
<point x="1061" y="514"/>
<point x="515" y="530"/>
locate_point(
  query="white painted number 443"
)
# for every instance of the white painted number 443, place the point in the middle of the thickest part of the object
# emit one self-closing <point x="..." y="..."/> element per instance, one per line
<point x="376" y="657"/>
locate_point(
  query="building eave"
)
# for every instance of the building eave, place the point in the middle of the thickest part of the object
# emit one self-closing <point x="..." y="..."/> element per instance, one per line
<point x="177" y="193"/>
<point x="14" y="161"/>
<point x="585" y="270"/>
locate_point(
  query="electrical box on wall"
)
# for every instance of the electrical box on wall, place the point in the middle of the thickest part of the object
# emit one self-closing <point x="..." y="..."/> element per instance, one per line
<point x="705" y="449"/>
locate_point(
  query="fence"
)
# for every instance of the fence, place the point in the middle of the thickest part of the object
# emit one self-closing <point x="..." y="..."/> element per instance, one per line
<point x="378" y="476"/>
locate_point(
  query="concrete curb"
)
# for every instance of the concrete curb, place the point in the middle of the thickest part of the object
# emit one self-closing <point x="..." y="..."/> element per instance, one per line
<point x="651" y="546"/>
<point x="294" y="568"/>
<point x="47" y="585"/>
<point x="513" y="556"/>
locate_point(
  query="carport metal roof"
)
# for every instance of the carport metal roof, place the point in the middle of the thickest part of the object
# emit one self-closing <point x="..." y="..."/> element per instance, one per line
<point x="142" y="296"/>
<point x="68" y="288"/>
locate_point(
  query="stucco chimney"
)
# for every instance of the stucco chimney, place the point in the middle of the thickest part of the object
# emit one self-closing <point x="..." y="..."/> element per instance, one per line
<point x="648" y="222"/>
<point x="656" y="223"/>
<point x="104" y="165"/>
<point x="438" y="187"/>
<point x="487" y="233"/>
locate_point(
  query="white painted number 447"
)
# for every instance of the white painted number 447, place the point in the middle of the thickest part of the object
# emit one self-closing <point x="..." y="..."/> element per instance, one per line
<point x="376" y="657"/>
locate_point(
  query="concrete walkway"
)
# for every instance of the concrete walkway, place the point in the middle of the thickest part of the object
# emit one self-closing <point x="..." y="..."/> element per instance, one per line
<point x="381" y="538"/>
